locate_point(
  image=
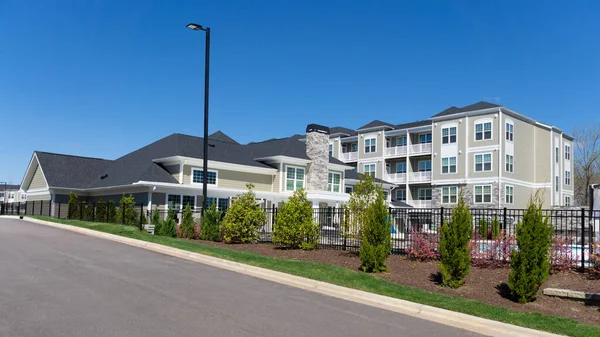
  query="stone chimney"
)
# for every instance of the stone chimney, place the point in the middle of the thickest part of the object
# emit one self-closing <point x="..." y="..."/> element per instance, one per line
<point x="317" y="149"/>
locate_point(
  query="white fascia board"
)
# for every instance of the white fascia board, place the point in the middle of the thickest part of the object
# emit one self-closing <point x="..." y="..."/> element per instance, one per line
<point x="32" y="194"/>
<point x="41" y="170"/>
<point x="28" y="167"/>
<point x="375" y="128"/>
<point x="284" y="159"/>
<point x="466" y="113"/>
<point x="198" y="188"/>
<point x="352" y="182"/>
<point x="350" y="139"/>
<point x="339" y="167"/>
<point x="217" y="165"/>
<point x="327" y="196"/>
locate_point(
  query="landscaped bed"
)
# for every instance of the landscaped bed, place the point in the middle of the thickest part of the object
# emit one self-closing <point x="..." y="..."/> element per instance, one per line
<point x="484" y="284"/>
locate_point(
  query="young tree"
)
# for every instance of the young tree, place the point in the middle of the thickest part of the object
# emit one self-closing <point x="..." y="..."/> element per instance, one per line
<point x="73" y="206"/>
<point x="361" y="197"/>
<point x="295" y="226"/>
<point x="127" y="214"/>
<point x="376" y="228"/>
<point x="455" y="255"/>
<point x="586" y="153"/>
<point x="169" y="226"/>
<point x="156" y="221"/>
<point x="530" y="264"/>
<point x="243" y="219"/>
<point x="187" y="224"/>
<point x="112" y="212"/>
<point x="101" y="211"/>
<point x="211" y="224"/>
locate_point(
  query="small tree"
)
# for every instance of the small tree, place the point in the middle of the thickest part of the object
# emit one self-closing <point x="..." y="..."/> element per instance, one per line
<point x="455" y="257"/>
<point x="156" y="221"/>
<point x="243" y="219"/>
<point x="187" y="224"/>
<point x="530" y="264"/>
<point x="88" y="211"/>
<point x="210" y="224"/>
<point x="295" y="226"/>
<point x="495" y="228"/>
<point x="376" y="237"/>
<point x="73" y="206"/>
<point x="112" y="212"/>
<point x="360" y="198"/>
<point x="483" y="229"/>
<point x="127" y="214"/>
<point x="169" y="226"/>
<point x="101" y="211"/>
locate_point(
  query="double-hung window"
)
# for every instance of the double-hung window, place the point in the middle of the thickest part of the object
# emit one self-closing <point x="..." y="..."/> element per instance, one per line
<point x="401" y="141"/>
<point x="449" y="195"/>
<point x="401" y="167"/>
<point x="483" y="131"/>
<point x="449" y="135"/>
<point x="294" y="178"/>
<point x="189" y="200"/>
<point x="556" y="154"/>
<point x="424" y="193"/>
<point x="448" y="165"/>
<point x="567" y="152"/>
<point x="567" y="200"/>
<point x="334" y="182"/>
<point x="510" y="163"/>
<point x="424" y="165"/>
<point x="401" y="194"/>
<point x="330" y="150"/>
<point x="370" y="145"/>
<point x="369" y="169"/>
<point x="483" y="162"/>
<point x="557" y="182"/>
<point x="174" y="201"/>
<point x="197" y="177"/>
<point x="567" y="178"/>
<point x="354" y="147"/>
<point x="483" y="194"/>
<point x="510" y="128"/>
<point x="509" y="195"/>
<point x="425" y="138"/>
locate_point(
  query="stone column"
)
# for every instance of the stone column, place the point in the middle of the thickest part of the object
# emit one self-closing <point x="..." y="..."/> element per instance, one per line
<point x="317" y="150"/>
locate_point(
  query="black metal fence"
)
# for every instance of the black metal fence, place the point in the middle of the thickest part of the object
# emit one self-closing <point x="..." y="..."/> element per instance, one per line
<point x="576" y="231"/>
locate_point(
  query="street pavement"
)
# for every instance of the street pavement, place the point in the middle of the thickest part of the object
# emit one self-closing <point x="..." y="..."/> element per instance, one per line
<point x="55" y="283"/>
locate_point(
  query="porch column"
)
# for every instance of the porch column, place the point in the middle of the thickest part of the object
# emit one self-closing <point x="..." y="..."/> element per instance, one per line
<point x="52" y="200"/>
<point x="149" y="208"/>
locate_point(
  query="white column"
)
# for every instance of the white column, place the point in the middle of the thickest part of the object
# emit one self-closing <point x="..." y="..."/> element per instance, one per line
<point x="150" y="200"/>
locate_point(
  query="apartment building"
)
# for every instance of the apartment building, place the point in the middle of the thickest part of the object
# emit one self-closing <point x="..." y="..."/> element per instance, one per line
<point x="12" y="193"/>
<point x="494" y="156"/>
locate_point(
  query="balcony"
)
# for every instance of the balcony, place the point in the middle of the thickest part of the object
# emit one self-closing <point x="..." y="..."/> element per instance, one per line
<point x="422" y="148"/>
<point x="396" y="178"/>
<point x="349" y="156"/>
<point x="395" y="151"/>
<point x="420" y="203"/>
<point x="416" y="177"/>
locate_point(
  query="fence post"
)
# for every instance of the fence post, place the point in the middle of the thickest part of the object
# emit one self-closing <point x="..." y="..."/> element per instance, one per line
<point x="582" y="238"/>
<point x="141" y="215"/>
<point x="58" y="210"/>
<point x="41" y="207"/>
<point x="123" y="215"/>
<point x="504" y="220"/>
<point x="50" y="208"/>
<point x="441" y="218"/>
<point x="107" y="212"/>
<point x="93" y="212"/>
<point x="81" y="210"/>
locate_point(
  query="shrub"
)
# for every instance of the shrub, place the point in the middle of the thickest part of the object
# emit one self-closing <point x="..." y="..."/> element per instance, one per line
<point x="210" y="224"/>
<point x="88" y="211"/>
<point x="360" y="198"/>
<point x="243" y="219"/>
<point x="483" y="229"/>
<point x="530" y="263"/>
<point x="101" y="211"/>
<point x="376" y="238"/>
<point x="156" y="221"/>
<point x="126" y="213"/>
<point x="562" y="256"/>
<point x="112" y="212"/>
<point x="454" y="246"/>
<point x="295" y="226"/>
<point x="595" y="260"/>
<point x="495" y="228"/>
<point x="73" y="206"/>
<point x="187" y="224"/>
<point x="424" y="247"/>
<point x="169" y="226"/>
<point x="493" y="254"/>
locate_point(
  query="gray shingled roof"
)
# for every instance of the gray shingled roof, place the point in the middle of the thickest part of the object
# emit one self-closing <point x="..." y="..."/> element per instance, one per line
<point x="220" y="136"/>
<point x="351" y="174"/>
<point x="374" y="124"/>
<point x="342" y="130"/>
<point x="412" y="124"/>
<point x="473" y="107"/>
<point x="290" y="146"/>
<point x="400" y="204"/>
<point x="9" y="187"/>
<point x="63" y="170"/>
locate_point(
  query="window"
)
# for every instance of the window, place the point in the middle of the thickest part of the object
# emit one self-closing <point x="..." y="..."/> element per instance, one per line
<point x="567" y="200"/>
<point x="197" y="177"/>
<point x="449" y="135"/>
<point x="370" y="145"/>
<point x="189" y="200"/>
<point x="483" y="162"/>
<point x="448" y="165"/>
<point x="556" y="154"/>
<point x="483" y="193"/>
<point x="401" y="141"/>
<point x="23" y="196"/>
<point x="386" y="194"/>
<point x="509" y="195"/>
<point x="388" y="142"/>
<point x="174" y="201"/>
<point x="510" y="163"/>
<point x="330" y="150"/>
<point x="388" y="168"/>
<point x="401" y="167"/>
<point x="294" y="178"/>
<point x="348" y="189"/>
<point x="567" y="152"/>
<point x="221" y="203"/>
<point x="344" y="148"/>
<point x="556" y="185"/>
<point x="354" y="147"/>
<point x="425" y="138"/>
<point x="369" y="169"/>
<point x="449" y="195"/>
<point x="334" y="182"/>
<point x="483" y="131"/>
<point x="401" y="194"/>
<point x="424" y="193"/>
<point x="567" y="178"/>
<point x="424" y="165"/>
<point x="11" y="195"/>
<point x="509" y="131"/>
<point x="2" y="195"/>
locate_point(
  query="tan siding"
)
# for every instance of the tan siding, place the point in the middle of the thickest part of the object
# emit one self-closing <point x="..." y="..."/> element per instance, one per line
<point x="471" y="136"/>
<point x="38" y="197"/>
<point x="38" y="181"/>
<point x="378" y="149"/>
<point x="174" y="171"/>
<point x="484" y="174"/>
<point x="543" y="148"/>
<point x="276" y="180"/>
<point x="361" y="168"/>
<point x="238" y="180"/>
<point x="460" y="146"/>
<point x="524" y="138"/>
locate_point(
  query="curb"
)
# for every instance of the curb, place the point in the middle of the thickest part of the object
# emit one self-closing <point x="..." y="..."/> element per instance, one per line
<point x="442" y="316"/>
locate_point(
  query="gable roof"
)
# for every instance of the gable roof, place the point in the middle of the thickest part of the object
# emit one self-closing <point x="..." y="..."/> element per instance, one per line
<point x="220" y="136"/>
<point x="289" y="146"/>
<point x="9" y="187"/>
<point x="374" y="124"/>
<point x="472" y="107"/>
<point x="413" y="124"/>
<point x="342" y="130"/>
<point x="61" y="170"/>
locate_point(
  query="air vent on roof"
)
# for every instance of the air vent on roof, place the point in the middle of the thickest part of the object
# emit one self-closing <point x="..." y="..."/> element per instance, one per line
<point x="211" y="145"/>
<point x="104" y="176"/>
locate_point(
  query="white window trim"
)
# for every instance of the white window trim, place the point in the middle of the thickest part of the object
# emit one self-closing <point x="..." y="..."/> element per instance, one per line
<point x="568" y="152"/>
<point x="285" y="178"/>
<point x="374" y="170"/>
<point x="201" y="170"/>
<point x="570" y="203"/>
<point x="370" y="141"/>
<point x="180" y="200"/>
<point x="506" y="162"/>
<point x="448" y="126"/>
<point x="570" y="177"/>
<point x="402" y="137"/>
<point x="449" y="195"/>
<point x="508" y="121"/>
<point x="332" y="181"/>
<point x="483" y="162"/>
<point x="512" y="195"/>
<point x="405" y="166"/>
<point x="483" y="194"/>
<point x="455" y="164"/>
<point x="424" y="189"/>
<point x="424" y="160"/>
<point x="400" y="190"/>
<point x="483" y="121"/>
<point x="425" y="134"/>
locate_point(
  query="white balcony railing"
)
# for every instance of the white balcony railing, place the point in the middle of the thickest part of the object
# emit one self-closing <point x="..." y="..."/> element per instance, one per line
<point x="349" y="156"/>
<point x="423" y="148"/>
<point x="396" y="178"/>
<point x="420" y="203"/>
<point x="419" y="176"/>
<point x="395" y="151"/>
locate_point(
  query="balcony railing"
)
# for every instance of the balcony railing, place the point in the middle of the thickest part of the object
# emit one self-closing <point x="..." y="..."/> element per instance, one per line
<point x="396" y="178"/>
<point x="423" y="148"/>
<point x="419" y="176"/>
<point x="349" y="156"/>
<point x="420" y="203"/>
<point x="395" y="151"/>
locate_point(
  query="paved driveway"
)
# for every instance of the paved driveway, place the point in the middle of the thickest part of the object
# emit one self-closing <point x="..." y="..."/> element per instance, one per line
<point x="59" y="283"/>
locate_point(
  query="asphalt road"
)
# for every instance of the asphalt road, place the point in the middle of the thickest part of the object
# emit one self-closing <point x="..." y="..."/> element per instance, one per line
<point x="59" y="283"/>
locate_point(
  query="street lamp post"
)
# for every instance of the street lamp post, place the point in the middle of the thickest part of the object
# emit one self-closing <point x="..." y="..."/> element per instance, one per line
<point x="4" y="199"/>
<point x="194" y="26"/>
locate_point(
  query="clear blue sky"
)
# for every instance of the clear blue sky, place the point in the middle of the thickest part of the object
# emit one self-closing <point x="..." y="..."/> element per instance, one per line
<point x="102" y="78"/>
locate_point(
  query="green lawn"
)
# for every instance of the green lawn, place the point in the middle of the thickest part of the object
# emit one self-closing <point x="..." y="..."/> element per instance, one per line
<point x="357" y="280"/>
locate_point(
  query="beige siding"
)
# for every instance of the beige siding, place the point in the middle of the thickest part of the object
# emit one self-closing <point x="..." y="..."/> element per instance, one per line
<point x="543" y="156"/>
<point x="475" y="120"/>
<point x="38" y="197"/>
<point x="174" y="171"/>
<point x="38" y="181"/>
<point x="238" y="180"/>
<point x="484" y="174"/>
<point x="457" y="150"/>
<point x="378" y="149"/>
<point x="524" y="138"/>
<point x="336" y="147"/>
<point x="361" y="168"/>
<point x="277" y="180"/>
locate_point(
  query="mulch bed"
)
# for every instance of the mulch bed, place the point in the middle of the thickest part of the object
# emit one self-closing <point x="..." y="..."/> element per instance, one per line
<point x="487" y="285"/>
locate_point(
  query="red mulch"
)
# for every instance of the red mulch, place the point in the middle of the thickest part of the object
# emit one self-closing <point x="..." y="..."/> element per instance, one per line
<point x="483" y="284"/>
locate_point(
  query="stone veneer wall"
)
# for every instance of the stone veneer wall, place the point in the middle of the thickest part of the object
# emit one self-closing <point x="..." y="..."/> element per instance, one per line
<point x="317" y="149"/>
